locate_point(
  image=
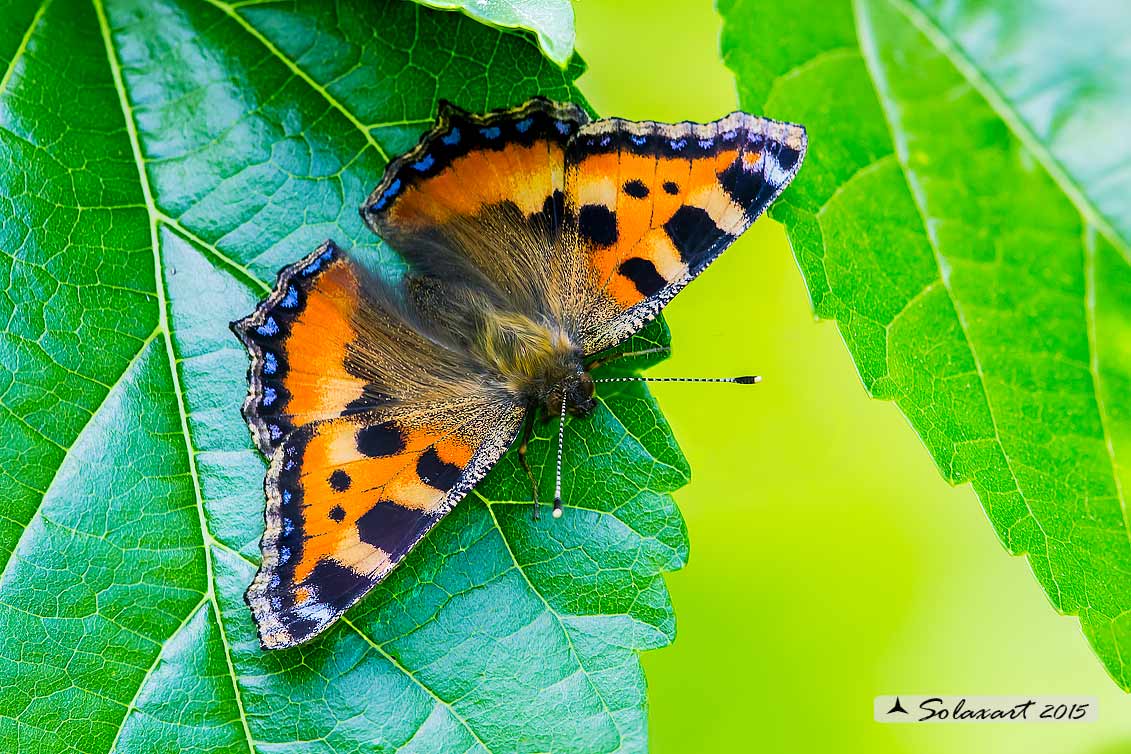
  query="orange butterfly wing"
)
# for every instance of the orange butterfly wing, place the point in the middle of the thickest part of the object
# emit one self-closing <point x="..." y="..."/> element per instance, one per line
<point x="348" y="498"/>
<point x="482" y="196"/>
<point x="374" y="432"/>
<point x="298" y="340"/>
<point x="467" y="162"/>
<point x="651" y="205"/>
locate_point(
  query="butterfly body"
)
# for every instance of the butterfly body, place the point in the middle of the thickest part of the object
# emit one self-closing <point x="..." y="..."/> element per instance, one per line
<point x="535" y="241"/>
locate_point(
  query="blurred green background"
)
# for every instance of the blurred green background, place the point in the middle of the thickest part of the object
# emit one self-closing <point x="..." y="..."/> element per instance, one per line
<point x="829" y="560"/>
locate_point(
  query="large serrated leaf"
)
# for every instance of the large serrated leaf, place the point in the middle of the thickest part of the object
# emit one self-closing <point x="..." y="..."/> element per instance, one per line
<point x="167" y="157"/>
<point x="963" y="216"/>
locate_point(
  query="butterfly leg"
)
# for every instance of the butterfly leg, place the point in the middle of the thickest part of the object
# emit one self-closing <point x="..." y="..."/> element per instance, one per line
<point x="628" y="355"/>
<point x="527" y="430"/>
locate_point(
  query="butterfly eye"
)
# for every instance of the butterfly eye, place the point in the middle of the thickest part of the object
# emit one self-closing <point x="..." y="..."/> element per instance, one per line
<point x="586" y="386"/>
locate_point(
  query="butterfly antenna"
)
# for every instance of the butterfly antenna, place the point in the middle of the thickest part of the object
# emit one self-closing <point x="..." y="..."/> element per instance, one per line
<point x="558" y="476"/>
<point x="745" y="380"/>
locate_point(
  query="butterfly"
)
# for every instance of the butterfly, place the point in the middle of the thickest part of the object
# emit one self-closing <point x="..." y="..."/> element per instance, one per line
<point x="535" y="241"/>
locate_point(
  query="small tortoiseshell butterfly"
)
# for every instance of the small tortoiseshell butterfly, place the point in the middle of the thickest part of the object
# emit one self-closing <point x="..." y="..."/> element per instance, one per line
<point x="535" y="241"/>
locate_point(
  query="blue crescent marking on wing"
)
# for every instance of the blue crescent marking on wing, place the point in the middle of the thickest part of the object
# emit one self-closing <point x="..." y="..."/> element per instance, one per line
<point x="290" y="301"/>
<point x="268" y="328"/>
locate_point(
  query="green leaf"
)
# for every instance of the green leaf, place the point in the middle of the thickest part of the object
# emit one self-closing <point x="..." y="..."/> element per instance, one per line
<point x="964" y="217"/>
<point x="168" y="157"/>
<point x="550" y="20"/>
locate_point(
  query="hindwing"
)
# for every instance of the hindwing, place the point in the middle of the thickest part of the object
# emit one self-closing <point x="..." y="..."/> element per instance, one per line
<point x="348" y="498"/>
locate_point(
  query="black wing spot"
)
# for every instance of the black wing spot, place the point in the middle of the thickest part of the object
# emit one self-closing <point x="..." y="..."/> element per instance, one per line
<point x="436" y="472"/>
<point x="337" y="513"/>
<point x="742" y="185"/>
<point x="554" y="209"/>
<point x="643" y="275"/>
<point x="391" y="527"/>
<point x="300" y="628"/>
<point x="337" y="585"/>
<point x="340" y="481"/>
<point x="636" y="188"/>
<point x="691" y="230"/>
<point x="549" y="219"/>
<point x="597" y="224"/>
<point x="384" y="439"/>
<point x="370" y="398"/>
<point x="787" y="157"/>
<point x="671" y="187"/>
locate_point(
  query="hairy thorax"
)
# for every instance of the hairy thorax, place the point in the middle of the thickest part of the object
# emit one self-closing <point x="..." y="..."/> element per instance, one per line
<point x="538" y="361"/>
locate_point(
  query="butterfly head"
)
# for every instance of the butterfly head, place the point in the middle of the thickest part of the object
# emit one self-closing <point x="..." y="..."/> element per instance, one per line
<point x="578" y="390"/>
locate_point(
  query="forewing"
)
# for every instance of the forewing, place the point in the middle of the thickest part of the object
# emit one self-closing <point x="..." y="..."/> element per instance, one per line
<point x="651" y="205"/>
<point x="348" y="498"/>
<point x="330" y="341"/>
<point x="480" y="199"/>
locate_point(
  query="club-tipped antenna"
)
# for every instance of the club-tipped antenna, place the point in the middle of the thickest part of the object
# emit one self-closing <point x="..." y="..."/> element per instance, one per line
<point x="744" y="380"/>
<point x="558" y="475"/>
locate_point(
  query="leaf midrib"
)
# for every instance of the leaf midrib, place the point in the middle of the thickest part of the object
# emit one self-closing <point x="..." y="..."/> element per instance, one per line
<point x="163" y="326"/>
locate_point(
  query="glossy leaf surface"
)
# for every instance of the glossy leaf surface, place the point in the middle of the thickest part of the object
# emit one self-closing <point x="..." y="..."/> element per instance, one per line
<point x="551" y="21"/>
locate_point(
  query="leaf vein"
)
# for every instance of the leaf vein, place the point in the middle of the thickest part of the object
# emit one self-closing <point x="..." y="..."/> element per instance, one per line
<point x="110" y="391"/>
<point x="997" y="101"/>
<point x="132" y="706"/>
<point x="24" y="41"/>
<point x="557" y="618"/>
<point x="380" y="650"/>
<point x="211" y="249"/>
<point x="294" y="67"/>
<point x="163" y="327"/>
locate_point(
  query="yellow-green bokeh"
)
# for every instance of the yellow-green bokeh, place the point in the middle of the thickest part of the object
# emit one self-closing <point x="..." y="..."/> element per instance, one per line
<point x="829" y="560"/>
